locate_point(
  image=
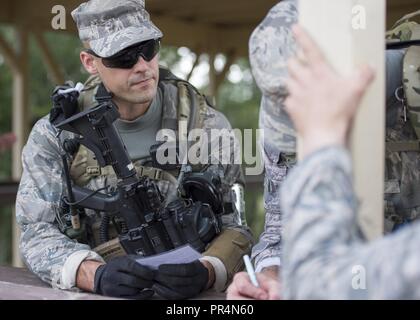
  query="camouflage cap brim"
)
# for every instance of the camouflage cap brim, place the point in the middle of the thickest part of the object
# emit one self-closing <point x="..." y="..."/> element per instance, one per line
<point x="112" y="44"/>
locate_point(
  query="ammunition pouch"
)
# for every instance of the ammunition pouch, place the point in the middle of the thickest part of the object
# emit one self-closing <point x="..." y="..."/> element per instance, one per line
<point x="230" y="246"/>
<point x="110" y="249"/>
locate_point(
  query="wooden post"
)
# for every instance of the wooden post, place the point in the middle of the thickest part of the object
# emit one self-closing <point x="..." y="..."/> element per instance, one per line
<point x="352" y="32"/>
<point x="20" y="122"/>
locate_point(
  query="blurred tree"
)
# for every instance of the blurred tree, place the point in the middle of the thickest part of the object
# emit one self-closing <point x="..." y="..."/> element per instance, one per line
<point x="5" y="158"/>
<point x="239" y="98"/>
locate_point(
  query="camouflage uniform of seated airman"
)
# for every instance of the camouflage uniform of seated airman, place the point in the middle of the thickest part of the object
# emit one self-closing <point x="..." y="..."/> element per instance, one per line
<point x="46" y="249"/>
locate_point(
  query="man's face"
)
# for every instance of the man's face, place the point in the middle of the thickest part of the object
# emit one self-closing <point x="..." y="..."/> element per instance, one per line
<point x="137" y="85"/>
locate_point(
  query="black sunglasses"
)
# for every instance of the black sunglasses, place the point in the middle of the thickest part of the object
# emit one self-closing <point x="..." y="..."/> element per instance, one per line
<point x="127" y="58"/>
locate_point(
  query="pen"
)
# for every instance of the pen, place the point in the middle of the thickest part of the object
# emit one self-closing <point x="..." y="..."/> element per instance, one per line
<point x="250" y="270"/>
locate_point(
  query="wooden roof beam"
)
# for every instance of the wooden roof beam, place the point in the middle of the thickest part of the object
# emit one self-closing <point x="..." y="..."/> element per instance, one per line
<point x="205" y="36"/>
<point x="209" y="8"/>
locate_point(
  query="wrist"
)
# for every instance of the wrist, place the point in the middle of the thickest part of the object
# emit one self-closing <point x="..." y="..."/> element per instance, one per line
<point x="314" y="141"/>
<point x="211" y="272"/>
<point x="85" y="277"/>
<point x="272" y="272"/>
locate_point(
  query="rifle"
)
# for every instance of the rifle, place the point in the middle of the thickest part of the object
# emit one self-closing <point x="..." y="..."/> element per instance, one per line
<point x="152" y="226"/>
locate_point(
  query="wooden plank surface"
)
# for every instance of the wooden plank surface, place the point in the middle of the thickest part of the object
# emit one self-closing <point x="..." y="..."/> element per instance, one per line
<point x="20" y="276"/>
<point x="21" y="284"/>
<point x="351" y="33"/>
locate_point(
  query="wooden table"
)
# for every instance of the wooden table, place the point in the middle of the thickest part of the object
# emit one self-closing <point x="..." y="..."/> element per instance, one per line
<point x="21" y="284"/>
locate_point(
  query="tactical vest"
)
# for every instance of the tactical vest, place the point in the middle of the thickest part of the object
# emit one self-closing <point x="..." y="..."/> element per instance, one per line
<point x="190" y="107"/>
<point x="402" y="185"/>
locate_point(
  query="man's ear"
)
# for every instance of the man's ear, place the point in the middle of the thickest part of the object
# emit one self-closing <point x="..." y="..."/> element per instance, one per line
<point x="89" y="62"/>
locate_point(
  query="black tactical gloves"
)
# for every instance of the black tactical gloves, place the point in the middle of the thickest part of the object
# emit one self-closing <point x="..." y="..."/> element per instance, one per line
<point x="65" y="102"/>
<point x="181" y="281"/>
<point x="123" y="277"/>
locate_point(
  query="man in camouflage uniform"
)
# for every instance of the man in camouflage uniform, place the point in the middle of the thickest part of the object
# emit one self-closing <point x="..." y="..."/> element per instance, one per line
<point x="148" y="99"/>
<point x="271" y="45"/>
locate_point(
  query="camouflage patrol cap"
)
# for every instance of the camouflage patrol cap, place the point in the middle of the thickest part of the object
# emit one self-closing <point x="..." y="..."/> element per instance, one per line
<point x="110" y="26"/>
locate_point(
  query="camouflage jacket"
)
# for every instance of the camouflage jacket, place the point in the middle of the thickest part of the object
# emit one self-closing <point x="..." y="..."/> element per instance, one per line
<point x="324" y="254"/>
<point x="53" y="256"/>
<point x="270" y="46"/>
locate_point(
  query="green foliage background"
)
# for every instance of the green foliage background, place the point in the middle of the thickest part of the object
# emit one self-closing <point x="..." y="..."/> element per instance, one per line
<point x="239" y="102"/>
